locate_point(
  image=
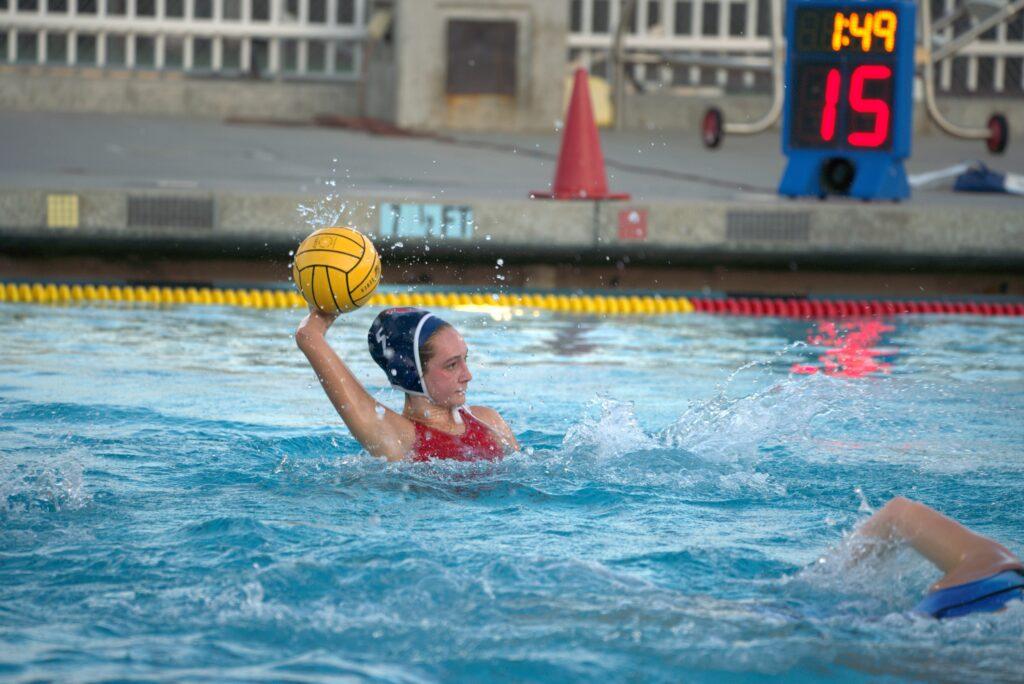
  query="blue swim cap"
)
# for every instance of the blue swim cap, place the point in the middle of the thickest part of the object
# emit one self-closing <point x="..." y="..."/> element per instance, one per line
<point x="395" y="339"/>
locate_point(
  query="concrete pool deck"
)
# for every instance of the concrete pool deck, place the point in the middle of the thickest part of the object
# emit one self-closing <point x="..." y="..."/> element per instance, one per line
<point x="210" y="188"/>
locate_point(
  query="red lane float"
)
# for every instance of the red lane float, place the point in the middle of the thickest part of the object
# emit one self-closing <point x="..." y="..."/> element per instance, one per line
<point x="789" y="307"/>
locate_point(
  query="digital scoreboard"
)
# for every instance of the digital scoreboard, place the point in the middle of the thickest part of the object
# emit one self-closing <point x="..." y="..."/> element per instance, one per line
<point x="847" y="119"/>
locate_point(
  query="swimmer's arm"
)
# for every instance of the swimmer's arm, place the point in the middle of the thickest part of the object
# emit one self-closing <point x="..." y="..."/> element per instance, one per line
<point x="381" y="432"/>
<point x="958" y="552"/>
<point x="493" y="420"/>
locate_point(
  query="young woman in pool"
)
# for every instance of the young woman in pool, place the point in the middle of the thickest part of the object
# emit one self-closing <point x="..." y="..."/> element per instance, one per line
<point x="981" y="575"/>
<point x="427" y="359"/>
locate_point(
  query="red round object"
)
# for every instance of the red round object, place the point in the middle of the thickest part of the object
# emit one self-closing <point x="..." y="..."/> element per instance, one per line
<point x="998" y="134"/>
<point x="712" y="127"/>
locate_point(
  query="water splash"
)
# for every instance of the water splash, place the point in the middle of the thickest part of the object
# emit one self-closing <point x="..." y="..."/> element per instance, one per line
<point x="613" y="433"/>
<point x="54" y="482"/>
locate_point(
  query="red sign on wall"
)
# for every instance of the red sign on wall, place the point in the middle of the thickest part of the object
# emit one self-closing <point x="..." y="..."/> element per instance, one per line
<point x="633" y="224"/>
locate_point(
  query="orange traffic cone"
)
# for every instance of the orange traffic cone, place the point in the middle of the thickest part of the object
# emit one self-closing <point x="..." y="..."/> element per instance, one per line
<point x="580" y="173"/>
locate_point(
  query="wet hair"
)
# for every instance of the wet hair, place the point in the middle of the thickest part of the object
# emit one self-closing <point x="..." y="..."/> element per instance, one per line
<point x="427" y="350"/>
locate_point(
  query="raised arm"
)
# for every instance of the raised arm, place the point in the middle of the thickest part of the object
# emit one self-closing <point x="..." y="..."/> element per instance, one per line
<point x="381" y="431"/>
<point x="958" y="552"/>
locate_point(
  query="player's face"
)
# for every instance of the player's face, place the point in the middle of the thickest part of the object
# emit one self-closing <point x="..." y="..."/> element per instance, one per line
<point x="447" y="374"/>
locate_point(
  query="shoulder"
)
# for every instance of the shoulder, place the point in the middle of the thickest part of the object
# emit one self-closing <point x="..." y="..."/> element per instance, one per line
<point x="491" y="417"/>
<point x="485" y="413"/>
<point x="397" y="437"/>
<point x="493" y="420"/>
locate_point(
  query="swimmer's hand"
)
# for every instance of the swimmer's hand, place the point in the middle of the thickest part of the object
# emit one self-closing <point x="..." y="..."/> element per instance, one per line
<point x="313" y="327"/>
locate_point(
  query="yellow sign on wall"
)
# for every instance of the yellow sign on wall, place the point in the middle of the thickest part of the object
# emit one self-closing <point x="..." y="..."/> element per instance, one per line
<point x="62" y="211"/>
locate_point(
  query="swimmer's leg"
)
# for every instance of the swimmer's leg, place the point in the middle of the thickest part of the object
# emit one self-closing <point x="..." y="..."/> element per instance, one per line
<point x="963" y="555"/>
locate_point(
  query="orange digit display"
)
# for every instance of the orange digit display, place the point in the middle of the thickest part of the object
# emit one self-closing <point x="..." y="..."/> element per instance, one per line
<point x="838" y="24"/>
<point x="860" y="30"/>
<point x="885" y="28"/>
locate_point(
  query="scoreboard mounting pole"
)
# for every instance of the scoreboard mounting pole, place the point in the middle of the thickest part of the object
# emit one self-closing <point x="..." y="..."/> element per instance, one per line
<point x="847" y="119"/>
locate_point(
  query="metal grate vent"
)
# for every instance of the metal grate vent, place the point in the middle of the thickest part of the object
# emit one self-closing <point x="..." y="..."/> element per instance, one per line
<point x="170" y="212"/>
<point x="768" y="225"/>
<point x="481" y="57"/>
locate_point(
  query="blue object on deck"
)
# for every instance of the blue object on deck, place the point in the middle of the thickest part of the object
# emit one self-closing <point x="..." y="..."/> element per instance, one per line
<point x="980" y="178"/>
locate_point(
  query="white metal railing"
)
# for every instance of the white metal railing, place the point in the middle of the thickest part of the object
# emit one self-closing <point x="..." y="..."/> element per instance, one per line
<point x="305" y="39"/>
<point x="683" y="30"/>
<point x="676" y="27"/>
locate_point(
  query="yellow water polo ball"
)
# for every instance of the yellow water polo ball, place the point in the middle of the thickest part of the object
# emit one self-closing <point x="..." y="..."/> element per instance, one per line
<point x="336" y="269"/>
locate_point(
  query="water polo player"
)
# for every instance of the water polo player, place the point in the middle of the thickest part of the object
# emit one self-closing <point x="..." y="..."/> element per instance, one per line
<point x="424" y="357"/>
<point x="981" y="575"/>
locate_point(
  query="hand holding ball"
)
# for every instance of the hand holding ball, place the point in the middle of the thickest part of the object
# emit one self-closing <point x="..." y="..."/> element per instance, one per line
<point x="336" y="269"/>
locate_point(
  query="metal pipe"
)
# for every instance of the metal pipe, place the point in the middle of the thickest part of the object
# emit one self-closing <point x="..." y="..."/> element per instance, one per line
<point x="947" y="20"/>
<point x="929" y="84"/>
<point x="744" y="63"/>
<point x="778" y="75"/>
<point x="952" y="47"/>
<point x="626" y="9"/>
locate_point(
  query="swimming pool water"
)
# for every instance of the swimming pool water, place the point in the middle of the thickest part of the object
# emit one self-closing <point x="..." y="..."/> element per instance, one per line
<point x="179" y="500"/>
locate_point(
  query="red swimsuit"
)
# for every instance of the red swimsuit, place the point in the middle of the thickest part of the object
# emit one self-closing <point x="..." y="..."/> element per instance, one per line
<point x="477" y="443"/>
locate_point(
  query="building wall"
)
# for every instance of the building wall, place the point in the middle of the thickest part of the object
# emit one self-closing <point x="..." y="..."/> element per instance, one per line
<point x="93" y="90"/>
<point x="421" y="58"/>
<point x="381" y="74"/>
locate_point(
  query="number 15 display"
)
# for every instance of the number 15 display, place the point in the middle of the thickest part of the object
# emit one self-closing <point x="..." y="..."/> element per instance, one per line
<point x="858" y="97"/>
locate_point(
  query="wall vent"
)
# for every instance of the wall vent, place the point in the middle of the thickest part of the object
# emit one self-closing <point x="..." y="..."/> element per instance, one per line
<point x="170" y="212"/>
<point x="759" y="226"/>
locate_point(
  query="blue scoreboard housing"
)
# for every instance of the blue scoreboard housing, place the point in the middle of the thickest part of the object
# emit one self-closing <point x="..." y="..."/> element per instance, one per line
<point x="847" y="120"/>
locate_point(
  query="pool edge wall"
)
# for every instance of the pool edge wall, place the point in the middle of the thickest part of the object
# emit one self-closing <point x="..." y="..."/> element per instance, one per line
<point x="769" y="245"/>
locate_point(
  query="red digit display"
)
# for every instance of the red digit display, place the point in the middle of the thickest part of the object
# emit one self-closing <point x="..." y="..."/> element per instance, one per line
<point x="875" y="106"/>
<point x="844" y="105"/>
<point x="828" y="114"/>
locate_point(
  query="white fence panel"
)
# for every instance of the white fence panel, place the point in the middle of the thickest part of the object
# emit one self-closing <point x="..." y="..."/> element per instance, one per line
<point x="301" y="39"/>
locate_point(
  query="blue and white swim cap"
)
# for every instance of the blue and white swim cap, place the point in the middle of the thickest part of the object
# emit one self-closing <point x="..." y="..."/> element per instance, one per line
<point x="395" y="339"/>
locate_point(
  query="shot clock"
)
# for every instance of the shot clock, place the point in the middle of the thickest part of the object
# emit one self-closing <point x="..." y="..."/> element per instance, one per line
<point x="847" y="117"/>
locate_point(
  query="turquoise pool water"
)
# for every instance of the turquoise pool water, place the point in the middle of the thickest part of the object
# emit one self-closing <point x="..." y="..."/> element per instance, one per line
<point x="178" y="500"/>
